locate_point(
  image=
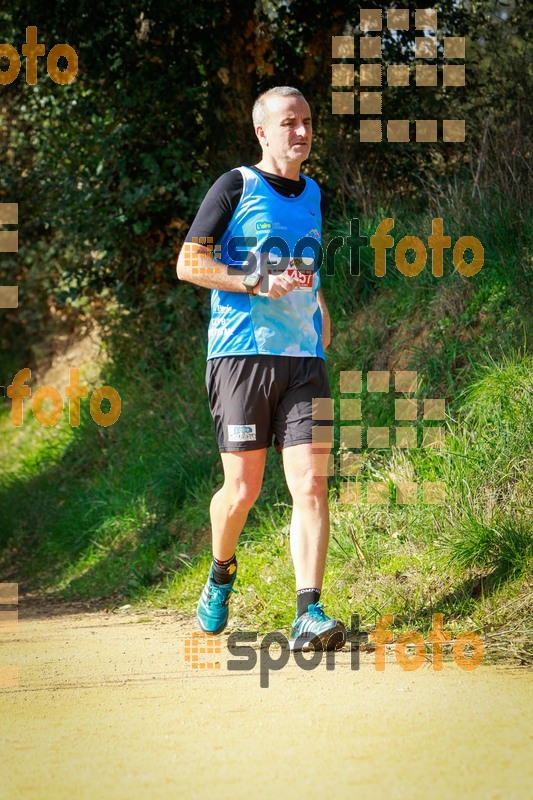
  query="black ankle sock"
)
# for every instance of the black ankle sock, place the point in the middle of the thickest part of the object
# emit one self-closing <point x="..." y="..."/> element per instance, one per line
<point x="223" y="570"/>
<point x="304" y="598"/>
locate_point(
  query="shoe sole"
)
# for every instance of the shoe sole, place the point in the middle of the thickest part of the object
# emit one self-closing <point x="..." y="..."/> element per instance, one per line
<point x="215" y="632"/>
<point x="332" y="639"/>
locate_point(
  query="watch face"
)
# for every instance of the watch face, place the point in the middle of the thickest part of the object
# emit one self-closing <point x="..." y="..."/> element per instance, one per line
<point x="251" y="281"/>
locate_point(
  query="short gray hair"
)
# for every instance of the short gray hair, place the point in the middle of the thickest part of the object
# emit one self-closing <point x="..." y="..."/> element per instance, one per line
<point x="259" y="109"/>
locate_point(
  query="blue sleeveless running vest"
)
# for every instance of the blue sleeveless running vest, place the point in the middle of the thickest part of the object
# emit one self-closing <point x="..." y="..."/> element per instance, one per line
<point x="264" y="227"/>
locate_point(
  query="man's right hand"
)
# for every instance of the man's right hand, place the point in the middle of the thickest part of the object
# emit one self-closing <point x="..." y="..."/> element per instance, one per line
<point x="280" y="285"/>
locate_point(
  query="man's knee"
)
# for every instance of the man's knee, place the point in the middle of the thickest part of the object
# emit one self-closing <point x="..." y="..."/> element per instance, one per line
<point x="242" y="494"/>
<point x="309" y="484"/>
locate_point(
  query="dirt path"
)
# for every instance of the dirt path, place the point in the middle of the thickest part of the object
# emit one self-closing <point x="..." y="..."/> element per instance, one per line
<point x="107" y="707"/>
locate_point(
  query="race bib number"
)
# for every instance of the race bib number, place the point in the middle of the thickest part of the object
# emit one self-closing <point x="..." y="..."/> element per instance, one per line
<point x="305" y="279"/>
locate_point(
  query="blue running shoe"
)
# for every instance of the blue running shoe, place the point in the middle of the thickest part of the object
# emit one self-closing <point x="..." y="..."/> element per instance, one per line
<point x="213" y="611"/>
<point x="314" y="630"/>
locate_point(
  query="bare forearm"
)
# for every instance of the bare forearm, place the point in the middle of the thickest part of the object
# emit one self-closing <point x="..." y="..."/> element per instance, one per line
<point x="197" y="266"/>
<point x="203" y="270"/>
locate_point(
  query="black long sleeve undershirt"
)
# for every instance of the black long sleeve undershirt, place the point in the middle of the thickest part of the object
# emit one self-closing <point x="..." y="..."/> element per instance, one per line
<point x="221" y="200"/>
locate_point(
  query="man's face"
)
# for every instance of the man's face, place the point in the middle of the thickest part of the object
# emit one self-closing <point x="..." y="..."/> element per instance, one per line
<point x="287" y="128"/>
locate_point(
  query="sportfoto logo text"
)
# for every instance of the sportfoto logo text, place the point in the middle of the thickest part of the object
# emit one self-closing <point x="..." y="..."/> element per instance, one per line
<point x="409" y="648"/>
<point x="18" y="390"/>
<point x="245" y="252"/>
<point x="32" y="50"/>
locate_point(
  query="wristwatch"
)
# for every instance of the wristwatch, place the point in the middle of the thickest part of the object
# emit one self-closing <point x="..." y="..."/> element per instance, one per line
<point x="250" y="282"/>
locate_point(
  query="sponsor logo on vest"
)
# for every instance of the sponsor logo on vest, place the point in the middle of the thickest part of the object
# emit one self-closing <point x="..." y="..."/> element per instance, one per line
<point x="263" y="226"/>
<point x="241" y="433"/>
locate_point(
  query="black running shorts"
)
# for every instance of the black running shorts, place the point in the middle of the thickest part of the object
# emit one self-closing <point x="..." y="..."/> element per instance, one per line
<point x="255" y="398"/>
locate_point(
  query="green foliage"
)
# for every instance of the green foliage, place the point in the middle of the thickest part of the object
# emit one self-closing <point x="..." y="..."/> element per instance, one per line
<point x="492" y="522"/>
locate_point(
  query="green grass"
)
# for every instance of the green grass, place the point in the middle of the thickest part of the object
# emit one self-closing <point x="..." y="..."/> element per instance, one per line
<point x="122" y="513"/>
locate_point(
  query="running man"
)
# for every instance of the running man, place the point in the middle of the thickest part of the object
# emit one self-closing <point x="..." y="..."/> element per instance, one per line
<point x="265" y="359"/>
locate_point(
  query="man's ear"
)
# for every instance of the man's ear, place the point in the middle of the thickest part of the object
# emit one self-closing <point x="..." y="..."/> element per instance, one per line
<point x="261" y="135"/>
